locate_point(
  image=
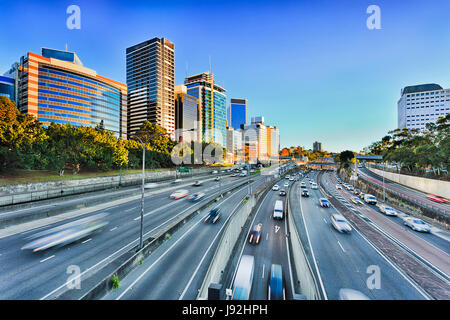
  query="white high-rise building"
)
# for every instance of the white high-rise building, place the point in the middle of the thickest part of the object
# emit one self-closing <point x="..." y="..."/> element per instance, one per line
<point x="422" y="104"/>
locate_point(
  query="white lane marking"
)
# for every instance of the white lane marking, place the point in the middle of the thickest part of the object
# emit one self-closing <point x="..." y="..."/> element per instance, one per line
<point x="87" y="240"/>
<point x="113" y="229"/>
<point x="277" y="228"/>
<point x="324" y="220"/>
<point x="267" y="236"/>
<point x="264" y="265"/>
<point x="47" y="258"/>
<point x="128" y="210"/>
<point x="116" y="252"/>
<point x="340" y="245"/>
<point x="312" y="252"/>
<point x="210" y="246"/>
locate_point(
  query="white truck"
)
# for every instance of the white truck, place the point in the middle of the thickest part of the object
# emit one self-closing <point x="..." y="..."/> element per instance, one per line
<point x="278" y="212"/>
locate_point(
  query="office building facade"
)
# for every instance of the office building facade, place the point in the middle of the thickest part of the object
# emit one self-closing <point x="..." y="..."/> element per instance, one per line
<point x="187" y="115"/>
<point x="7" y="87"/>
<point x="317" y="146"/>
<point x="422" y="104"/>
<point x="234" y="146"/>
<point x="238" y="113"/>
<point x="56" y="87"/>
<point x="212" y="101"/>
<point x="151" y="84"/>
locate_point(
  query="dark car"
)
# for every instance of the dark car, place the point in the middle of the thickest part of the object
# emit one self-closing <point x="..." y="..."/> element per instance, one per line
<point x="196" y="196"/>
<point x="305" y="193"/>
<point x="213" y="216"/>
<point x="255" y="234"/>
<point x="324" y="203"/>
<point x="282" y="193"/>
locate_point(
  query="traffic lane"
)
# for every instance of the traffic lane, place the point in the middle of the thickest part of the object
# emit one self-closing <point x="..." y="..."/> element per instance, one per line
<point x="81" y="254"/>
<point x="418" y="195"/>
<point x="431" y="238"/>
<point x="271" y="249"/>
<point x="179" y="258"/>
<point x="83" y="198"/>
<point x="343" y="259"/>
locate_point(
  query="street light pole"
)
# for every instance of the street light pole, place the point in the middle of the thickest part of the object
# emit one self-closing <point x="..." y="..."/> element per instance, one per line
<point x="144" y="146"/>
<point x="384" y="189"/>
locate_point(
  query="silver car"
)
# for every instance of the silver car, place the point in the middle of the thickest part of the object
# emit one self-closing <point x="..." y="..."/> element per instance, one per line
<point x="417" y="224"/>
<point x="388" y="211"/>
<point x="340" y="223"/>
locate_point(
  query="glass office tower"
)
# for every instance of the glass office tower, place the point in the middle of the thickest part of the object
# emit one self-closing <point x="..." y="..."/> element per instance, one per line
<point x="56" y="87"/>
<point x="151" y="83"/>
<point x="212" y="100"/>
<point x="187" y="115"/>
<point x="238" y="113"/>
<point x="7" y="87"/>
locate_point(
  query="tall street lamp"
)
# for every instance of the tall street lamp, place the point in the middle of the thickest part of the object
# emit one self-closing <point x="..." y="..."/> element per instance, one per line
<point x="144" y="143"/>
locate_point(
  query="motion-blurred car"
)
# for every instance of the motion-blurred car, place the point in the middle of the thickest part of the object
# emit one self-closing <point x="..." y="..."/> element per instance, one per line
<point x="282" y="193"/>
<point x="340" y="223"/>
<point x="302" y="185"/>
<point x="291" y="179"/>
<point x="214" y="172"/>
<point x="196" y="196"/>
<point x="286" y="185"/>
<point x="356" y="200"/>
<point x="197" y="183"/>
<point x="436" y="198"/>
<point x="176" y="181"/>
<point x="150" y="185"/>
<point x="276" y="286"/>
<point x="324" y="203"/>
<point x="179" y="194"/>
<point x="338" y="187"/>
<point x="213" y="216"/>
<point x="350" y="294"/>
<point x="357" y="191"/>
<point x="66" y="233"/>
<point x="276" y="187"/>
<point x="361" y="195"/>
<point x="388" y="210"/>
<point x="255" y="234"/>
<point x="313" y="185"/>
<point x="217" y="178"/>
<point x="305" y="193"/>
<point x="417" y="224"/>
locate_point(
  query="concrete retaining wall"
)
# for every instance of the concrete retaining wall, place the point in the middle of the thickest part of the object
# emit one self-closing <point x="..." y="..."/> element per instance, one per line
<point x="438" y="187"/>
<point x="21" y="193"/>
<point x="305" y="274"/>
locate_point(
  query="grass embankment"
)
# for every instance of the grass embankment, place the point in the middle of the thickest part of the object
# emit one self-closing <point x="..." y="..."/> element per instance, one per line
<point x="32" y="176"/>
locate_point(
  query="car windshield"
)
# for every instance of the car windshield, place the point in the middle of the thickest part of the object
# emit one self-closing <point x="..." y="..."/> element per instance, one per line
<point x="418" y="221"/>
<point x="389" y="208"/>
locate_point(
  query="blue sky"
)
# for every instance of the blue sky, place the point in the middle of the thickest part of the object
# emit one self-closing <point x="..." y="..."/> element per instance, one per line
<point x="312" y="68"/>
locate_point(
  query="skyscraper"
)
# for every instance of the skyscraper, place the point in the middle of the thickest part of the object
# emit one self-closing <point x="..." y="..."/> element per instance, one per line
<point x="317" y="146"/>
<point x="56" y="87"/>
<point x="187" y="115"/>
<point x="212" y="101"/>
<point x="151" y="84"/>
<point x="238" y="114"/>
<point x="422" y="104"/>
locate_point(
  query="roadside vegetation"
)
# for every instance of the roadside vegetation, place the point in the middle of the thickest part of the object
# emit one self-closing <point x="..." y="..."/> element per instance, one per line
<point x="421" y="153"/>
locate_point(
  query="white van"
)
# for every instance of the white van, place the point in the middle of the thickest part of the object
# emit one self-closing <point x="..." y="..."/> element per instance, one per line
<point x="370" y="199"/>
<point x="278" y="212"/>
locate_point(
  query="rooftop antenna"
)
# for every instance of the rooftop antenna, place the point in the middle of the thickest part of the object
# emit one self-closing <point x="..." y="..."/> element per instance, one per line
<point x="66" y="47"/>
<point x="187" y="69"/>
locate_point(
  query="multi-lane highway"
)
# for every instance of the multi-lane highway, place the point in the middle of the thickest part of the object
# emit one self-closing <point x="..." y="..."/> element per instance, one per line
<point x="272" y="248"/>
<point x="345" y="260"/>
<point x="44" y="275"/>
<point x="176" y="269"/>
<point x="409" y="192"/>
